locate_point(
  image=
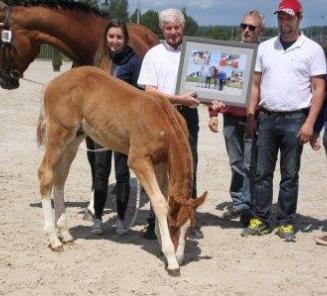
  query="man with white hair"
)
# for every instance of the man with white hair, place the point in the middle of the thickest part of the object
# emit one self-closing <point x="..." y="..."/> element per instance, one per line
<point x="159" y="73"/>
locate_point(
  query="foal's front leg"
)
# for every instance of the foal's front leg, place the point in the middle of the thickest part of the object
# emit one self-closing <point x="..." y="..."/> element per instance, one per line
<point x="161" y="171"/>
<point x="144" y="171"/>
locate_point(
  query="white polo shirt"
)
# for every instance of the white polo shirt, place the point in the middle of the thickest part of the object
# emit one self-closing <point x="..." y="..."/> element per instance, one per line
<point x="160" y="68"/>
<point x="286" y="74"/>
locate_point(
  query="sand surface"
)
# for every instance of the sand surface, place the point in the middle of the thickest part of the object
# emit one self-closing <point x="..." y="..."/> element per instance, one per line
<point x="222" y="263"/>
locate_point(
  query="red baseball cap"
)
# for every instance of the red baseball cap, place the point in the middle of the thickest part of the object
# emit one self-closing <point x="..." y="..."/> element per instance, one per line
<point x="291" y="7"/>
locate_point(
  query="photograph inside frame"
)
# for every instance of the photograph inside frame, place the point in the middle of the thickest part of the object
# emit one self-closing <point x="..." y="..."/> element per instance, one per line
<point x="217" y="70"/>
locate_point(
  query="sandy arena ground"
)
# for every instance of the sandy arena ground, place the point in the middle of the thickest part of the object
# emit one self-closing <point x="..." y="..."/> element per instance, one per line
<point x="222" y="263"/>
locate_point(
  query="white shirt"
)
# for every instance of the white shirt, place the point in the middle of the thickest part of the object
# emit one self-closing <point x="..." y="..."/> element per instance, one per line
<point x="160" y="68"/>
<point x="286" y="74"/>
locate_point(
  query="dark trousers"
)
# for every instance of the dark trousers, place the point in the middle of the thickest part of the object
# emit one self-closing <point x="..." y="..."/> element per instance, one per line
<point x="91" y="157"/>
<point x="325" y="140"/>
<point x="278" y="133"/>
<point x="221" y="84"/>
<point x="102" y="170"/>
<point x="191" y="117"/>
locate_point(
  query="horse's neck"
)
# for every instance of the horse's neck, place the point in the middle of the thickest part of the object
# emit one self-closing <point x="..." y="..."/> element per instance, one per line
<point x="76" y="34"/>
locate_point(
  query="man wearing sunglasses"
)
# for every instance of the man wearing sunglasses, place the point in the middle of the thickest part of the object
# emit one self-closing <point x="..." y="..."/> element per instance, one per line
<point x="289" y="87"/>
<point x="239" y="147"/>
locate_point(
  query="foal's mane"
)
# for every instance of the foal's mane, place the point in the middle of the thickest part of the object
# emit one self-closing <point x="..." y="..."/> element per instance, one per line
<point x="62" y="4"/>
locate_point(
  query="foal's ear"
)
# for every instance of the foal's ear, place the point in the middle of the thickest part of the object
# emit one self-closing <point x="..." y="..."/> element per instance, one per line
<point x="199" y="200"/>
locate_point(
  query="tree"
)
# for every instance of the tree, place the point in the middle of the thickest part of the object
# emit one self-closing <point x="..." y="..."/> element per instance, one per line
<point x="214" y="32"/>
<point x="191" y="26"/>
<point x="151" y="20"/>
<point x="11" y="2"/>
<point x="116" y="9"/>
<point x="133" y="17"/>
<point x="92" y="3"/>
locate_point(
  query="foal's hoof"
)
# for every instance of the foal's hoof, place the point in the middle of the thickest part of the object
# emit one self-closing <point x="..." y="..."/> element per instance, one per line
<point x="174" y="272"/>
<point x="58" y="249"/>
<point x="69" y="243"/>
<point x="88" y="216"/>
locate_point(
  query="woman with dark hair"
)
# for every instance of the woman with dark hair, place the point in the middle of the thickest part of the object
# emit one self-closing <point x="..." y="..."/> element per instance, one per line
<point x="116" y="57"/>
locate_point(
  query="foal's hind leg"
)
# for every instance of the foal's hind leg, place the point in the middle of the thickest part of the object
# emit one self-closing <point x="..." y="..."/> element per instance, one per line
<point x="62" y="171"/>
<point x="46" y="176"/>
<point x="46" y="172"/>
<point x="143" y="168"/>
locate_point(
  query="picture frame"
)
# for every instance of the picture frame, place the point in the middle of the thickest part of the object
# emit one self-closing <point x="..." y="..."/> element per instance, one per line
<point x="217" y="70"/>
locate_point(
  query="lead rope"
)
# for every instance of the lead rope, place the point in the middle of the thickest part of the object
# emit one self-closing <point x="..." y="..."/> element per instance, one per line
<point x="33" y="81"/>
<point x="15" y="74"/>
<point x="97" y="150"/>
<point x="137" y="207"/>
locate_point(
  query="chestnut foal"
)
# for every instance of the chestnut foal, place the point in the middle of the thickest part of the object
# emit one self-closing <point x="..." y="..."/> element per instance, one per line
<point x="87" y="101"/>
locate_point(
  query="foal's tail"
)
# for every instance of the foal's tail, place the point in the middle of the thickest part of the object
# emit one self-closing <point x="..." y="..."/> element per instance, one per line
<point x="41" y="126"/>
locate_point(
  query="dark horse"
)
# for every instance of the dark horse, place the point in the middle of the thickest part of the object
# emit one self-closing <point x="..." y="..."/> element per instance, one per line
<point x="72" y="27"/>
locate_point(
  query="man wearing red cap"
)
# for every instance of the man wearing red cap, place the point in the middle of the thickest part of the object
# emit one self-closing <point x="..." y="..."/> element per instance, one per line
<point x="289" y="86"/>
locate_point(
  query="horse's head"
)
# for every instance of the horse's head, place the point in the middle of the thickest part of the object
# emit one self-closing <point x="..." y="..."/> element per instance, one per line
<point x="17" y="50"/>
<point x="181" y="217"/>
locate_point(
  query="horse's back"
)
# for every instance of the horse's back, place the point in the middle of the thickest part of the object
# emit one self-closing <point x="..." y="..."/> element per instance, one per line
<point x="100" y="97"/>
<point x="142" y="38"/>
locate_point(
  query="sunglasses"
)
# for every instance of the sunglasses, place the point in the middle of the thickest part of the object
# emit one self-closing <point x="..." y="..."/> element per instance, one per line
<point x="244" y="26"/>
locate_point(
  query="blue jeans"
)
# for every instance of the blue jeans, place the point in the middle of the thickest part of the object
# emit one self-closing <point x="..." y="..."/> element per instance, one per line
<point x="278" y="133"/>
<point x="241" y="153"/>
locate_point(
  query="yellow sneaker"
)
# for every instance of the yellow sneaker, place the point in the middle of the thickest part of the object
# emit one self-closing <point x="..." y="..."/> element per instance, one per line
<point x="286" y="232"/>
<point x="256" y="227"/>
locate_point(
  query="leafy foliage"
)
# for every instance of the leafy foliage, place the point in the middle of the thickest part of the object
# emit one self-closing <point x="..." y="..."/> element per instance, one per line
<point x="116" y="9"/>
<point x="151" y="20"/>
<point x="191" y="26"/>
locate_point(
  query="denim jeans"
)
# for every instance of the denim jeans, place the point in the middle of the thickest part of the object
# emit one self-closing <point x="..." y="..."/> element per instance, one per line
<point x="241" y="153"/>
<point x="278" y="133"/>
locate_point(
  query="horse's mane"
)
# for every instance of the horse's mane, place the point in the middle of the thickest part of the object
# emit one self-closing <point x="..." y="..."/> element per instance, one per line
<point x="62" y="4"/>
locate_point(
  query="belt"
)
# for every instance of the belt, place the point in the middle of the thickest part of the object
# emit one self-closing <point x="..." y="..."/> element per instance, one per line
<point x="285" y="113"/>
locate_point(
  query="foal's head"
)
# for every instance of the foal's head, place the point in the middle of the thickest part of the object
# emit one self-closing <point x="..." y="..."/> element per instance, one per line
<point x="182" y="216"/>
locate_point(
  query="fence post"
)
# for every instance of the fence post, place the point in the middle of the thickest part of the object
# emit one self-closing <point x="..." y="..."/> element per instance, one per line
<point x="56" y="60"/>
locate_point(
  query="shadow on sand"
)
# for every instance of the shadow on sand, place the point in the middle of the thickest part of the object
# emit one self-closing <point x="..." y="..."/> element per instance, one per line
<point x="133" y="236"/>
<point x="302" y="223"/>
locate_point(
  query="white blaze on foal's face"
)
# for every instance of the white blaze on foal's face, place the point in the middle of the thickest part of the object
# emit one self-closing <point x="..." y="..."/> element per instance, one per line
<point x="181" y="241"/>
